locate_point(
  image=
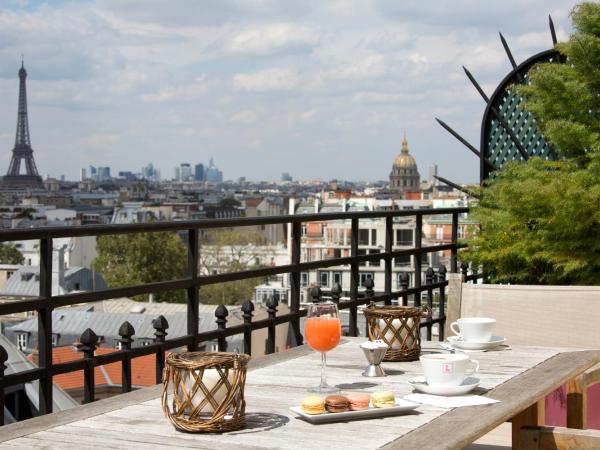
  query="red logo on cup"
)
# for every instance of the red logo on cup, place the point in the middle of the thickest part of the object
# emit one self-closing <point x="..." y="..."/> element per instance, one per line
<point x="447" y="368"/>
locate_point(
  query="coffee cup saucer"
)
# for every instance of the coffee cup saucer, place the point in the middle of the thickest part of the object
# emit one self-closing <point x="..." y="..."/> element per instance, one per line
<point x="458" y="342"/>
<point x="421" y="385"/>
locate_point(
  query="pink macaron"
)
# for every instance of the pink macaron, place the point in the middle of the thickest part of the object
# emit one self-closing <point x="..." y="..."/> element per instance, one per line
<point x="358" y="401"/>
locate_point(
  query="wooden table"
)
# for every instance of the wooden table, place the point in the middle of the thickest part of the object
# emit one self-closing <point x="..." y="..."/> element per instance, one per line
<point x="518" y="378"/>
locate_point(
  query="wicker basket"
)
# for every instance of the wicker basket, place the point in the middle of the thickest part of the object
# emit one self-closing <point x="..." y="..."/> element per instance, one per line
<point x="204" y="392"/>
<point x="399" y="327"/>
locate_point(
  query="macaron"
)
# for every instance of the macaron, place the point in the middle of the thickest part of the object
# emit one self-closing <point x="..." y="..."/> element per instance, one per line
<point x="358" y="401"/>
<point x="336" y="403"/>
<point x="383" y="399"/>
<point x="313" y="404"/>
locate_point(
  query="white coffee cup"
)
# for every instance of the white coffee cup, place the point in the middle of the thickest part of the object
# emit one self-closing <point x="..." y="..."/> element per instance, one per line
<point x="474" y="329"/>
<point x="447" y="369"/>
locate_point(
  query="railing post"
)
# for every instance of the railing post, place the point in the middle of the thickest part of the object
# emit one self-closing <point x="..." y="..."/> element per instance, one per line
<point x="272" y="303"/>
<point x="369" y="292"/>
<point x="3" y="359"/>
<point x="247" y="313"/>
<point x="45" y="327"/>
<point x="192" y="291"/>
<point x="126" y="330"/>
<point x="441" y="278"/>
<point x="464" y="270"/>
<point x="88" y="343"/>
<point x="221" y="314"/>
<point x="429" y="274"/>
<point x="454" y="249"/>
<point x="418" y="256"/>
<point x="388" y="260"/>
<point x="354" y="279"/>
<point x="404" y="287"/>
<point x="336" y="293"/>
<point x="160" y="326"/>
<point x="295" y="282"/>
<point x="316" y="294"/>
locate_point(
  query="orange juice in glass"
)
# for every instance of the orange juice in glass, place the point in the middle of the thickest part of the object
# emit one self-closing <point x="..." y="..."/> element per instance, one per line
<point x="322" y="331"/>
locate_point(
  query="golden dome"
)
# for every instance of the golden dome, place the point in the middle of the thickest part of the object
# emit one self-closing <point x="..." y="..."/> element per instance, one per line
<point x="404" y="159"/>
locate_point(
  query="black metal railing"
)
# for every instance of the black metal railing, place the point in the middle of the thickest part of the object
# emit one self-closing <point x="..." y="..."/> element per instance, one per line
<point x="45" y="302"/>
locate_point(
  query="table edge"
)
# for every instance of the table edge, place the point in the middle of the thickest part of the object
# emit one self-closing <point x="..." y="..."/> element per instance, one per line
<point x="506" y="408"/>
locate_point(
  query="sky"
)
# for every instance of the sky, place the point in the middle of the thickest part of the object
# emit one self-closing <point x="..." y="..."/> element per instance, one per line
<point x="319" y="89"/>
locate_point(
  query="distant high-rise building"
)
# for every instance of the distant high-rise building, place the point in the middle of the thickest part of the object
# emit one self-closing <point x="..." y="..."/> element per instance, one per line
<point x="82" y="174"/>
<point x="285" y="176"/>
<point x="93" y="173"/>
<point x="213" y="174"/>
<point x="103" y="173"/>
<point x="185" y="172"/>
<point x="22" y="151"/>
<point x="199" y="172"/>
<point x="177" y="174"/>
<point x="433" y="171"/>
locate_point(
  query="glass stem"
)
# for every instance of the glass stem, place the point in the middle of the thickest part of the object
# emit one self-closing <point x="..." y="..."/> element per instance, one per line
<point x="323" y="365"/>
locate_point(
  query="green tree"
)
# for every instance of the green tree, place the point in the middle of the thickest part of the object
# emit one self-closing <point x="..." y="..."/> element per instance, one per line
<point x="540" y="220"/>
<point x="229" y="201"/>
<point x="10" y="255"/>
<point x="140" y="258"/>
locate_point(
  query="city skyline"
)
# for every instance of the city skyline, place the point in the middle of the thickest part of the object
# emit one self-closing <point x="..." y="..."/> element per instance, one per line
<point x="320" y="91"/>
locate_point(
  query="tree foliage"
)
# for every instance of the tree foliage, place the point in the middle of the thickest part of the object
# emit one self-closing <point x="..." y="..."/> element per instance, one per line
<point x="140" y="258"/>
<point x="540" y="220"/>
<point x="10" y="255"/>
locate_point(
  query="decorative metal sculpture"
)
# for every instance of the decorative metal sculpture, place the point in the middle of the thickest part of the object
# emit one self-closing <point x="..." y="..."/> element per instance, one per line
<point x="508" y="131"/>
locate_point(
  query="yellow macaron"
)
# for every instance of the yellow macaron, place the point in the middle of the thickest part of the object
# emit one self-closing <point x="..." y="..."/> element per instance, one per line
<point x="313" y="404"/>
<point x="383" y="399"/>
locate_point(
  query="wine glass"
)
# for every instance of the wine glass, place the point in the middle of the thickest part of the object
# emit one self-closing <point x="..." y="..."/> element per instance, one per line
<point x="322" y="332"/>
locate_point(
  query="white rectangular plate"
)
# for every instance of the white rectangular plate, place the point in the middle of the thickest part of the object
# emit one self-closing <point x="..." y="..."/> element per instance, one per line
<point x="402" y="406"/>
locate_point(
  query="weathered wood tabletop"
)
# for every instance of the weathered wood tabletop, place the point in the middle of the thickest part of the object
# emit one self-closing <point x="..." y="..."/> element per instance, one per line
<point x="517" y="377"/>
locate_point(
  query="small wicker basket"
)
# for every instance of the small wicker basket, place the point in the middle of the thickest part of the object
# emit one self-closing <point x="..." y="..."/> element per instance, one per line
<point x="204" y="391"/>
<point x="399" y="327"/>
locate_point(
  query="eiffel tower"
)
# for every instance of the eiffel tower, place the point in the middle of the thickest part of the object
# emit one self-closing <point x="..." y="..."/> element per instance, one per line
<point x="22" y="151"/>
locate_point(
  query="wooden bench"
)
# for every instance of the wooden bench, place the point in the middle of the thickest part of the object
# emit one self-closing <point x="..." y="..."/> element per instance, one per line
<point x="567" y="316"/>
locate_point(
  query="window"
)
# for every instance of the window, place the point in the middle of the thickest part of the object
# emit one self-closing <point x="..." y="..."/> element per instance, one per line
<point x="118" y="345"/>
<point x="363" y="277"/>
<point x="303" y="279"/>
<point x="337" y="278"/>
<point x="146" y="343"/>
<point x="461" y="232"/>
<point x="337" y="252"/>
<point x="373" y="237"/>
<point x="22" y="341"/>
<point x="404" y="237"/>
<point x="54" y="339"/>
<point x="439" y="231"/>
<point x="303" y="229"/>
<point x="374" y="251"/>
<point x="324" y="279"/>
<point x="363" y="237"/>
<point x="400" y="261"/>
<point x="362" y="251"/>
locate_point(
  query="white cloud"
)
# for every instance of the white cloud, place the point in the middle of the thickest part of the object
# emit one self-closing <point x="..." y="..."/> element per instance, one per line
<point x="372" y="66"/>
<point x="269" y="39"/>
<point x="247" y="117"/>
<point x="275" y="79"/>
<point x="184" y="92"/>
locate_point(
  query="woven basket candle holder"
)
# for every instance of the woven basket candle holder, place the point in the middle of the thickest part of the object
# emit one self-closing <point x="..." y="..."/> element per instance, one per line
<point x="399" y="327"/>
<point x="204" y="391"/>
